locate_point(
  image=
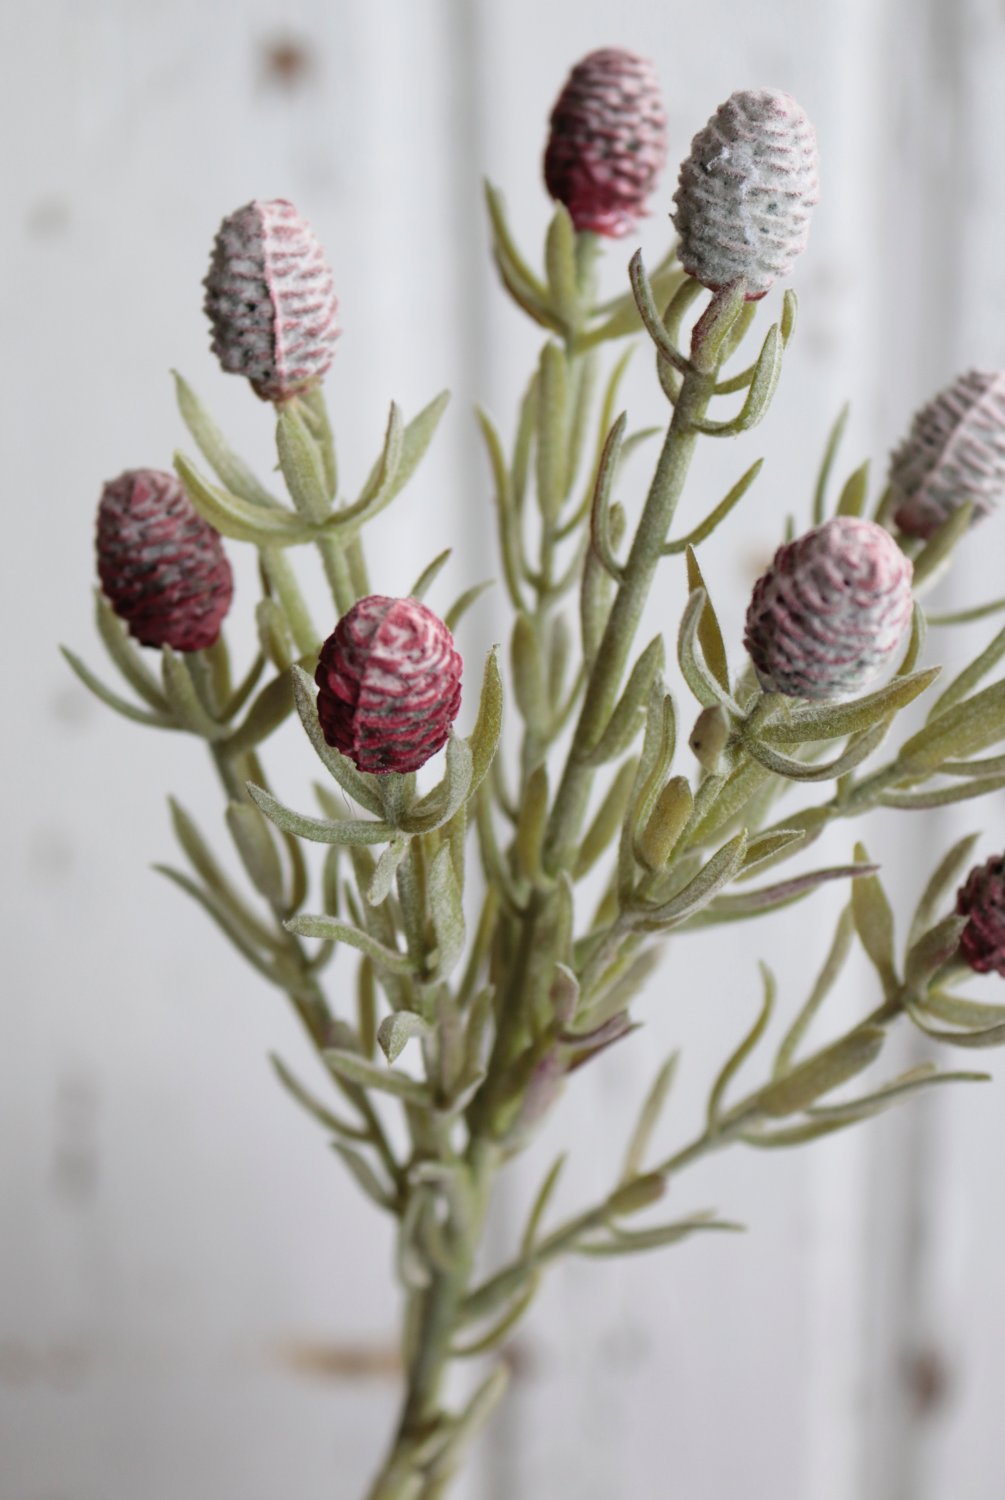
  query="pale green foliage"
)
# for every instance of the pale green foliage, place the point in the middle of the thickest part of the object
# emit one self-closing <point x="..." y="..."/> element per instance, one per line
<point x="486" y="978"/>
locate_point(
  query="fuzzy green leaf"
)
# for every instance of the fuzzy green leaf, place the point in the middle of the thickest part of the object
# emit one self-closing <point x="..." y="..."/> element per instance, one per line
<point x="719" y="870"/>
<point x="231" y="470"/>
<point x="398" y="1029"/>
<point x="346" y="831"/>
<point x="370" y="1075"/>
<point x="820" y="1074"/>
<point x="796" y="726"/>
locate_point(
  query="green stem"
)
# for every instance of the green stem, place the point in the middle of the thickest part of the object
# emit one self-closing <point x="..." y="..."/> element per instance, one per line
<point x="283" y="583"/>
<point x="626" y="612"/>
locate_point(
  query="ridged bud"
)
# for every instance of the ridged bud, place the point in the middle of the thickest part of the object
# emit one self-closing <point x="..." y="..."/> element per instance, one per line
<point x="827" y="616"/>
<point x="162" y="567"/>
<point x="270" y="301"/>
<point x="745" y="193"/>
<point x="607" y="143"/>
<point x="954" y="452"/>
<point x="982" y="899"/>
<point x="389" y="684"/>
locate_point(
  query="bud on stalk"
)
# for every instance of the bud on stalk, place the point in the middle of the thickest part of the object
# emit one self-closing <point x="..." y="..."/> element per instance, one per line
<point x="389" y="684"/>
<point x="162" y="567"/>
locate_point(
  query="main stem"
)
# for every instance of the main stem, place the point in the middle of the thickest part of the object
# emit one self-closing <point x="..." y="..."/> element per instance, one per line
<point x="602" y="688"/>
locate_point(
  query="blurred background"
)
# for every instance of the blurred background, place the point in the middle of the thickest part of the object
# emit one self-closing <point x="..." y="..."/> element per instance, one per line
<point x="194" y="1299"/>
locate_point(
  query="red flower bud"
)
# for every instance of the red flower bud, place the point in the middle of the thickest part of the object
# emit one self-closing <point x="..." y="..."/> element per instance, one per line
<point x="745" y="192"/>
<point x="269" y="299"/>
<point x="982" y="899"/>
<point x="162" y="567"/>
<point x="954" y="452"/>
<point x="608" y="141"/>
<point x="827" y="616"/>
<point x="389" y="684"/>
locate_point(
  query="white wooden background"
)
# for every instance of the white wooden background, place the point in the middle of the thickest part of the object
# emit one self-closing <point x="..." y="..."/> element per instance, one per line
<point x="192" y="1298"/>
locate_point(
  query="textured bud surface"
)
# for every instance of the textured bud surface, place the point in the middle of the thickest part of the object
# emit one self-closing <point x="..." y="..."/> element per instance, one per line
<point x="745" y="192"/>
<point x="389" y="684"/>
<point x="827" y="616"/>
<point x="982" y="899"/>
<point x="162" y="567"/>
<point x="954" y="452"/>
<point x="607" y="143"/>
<point x="270" y="301"/>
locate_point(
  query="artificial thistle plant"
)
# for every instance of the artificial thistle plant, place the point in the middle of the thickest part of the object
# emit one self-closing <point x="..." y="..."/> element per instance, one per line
<point x="482" y="983"/>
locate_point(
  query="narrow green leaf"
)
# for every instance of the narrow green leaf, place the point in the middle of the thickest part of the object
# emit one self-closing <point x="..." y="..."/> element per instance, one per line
<point x="371" y="1075"/>
<point x="825" y="982"/>
<point x="715" y="517"/>
<point x="933" y="949"/>
<point x="652" y="321"/>
<point x="853" y="497"/>
<point x="331" y="930"/>
<point x="830" y="453"/>
<point x="828" y="721"/>
<point x="630" y="1242"/>
<point x="356" y="784"/>
<point x="187" y="707"/>
<point x="236" y="931"/>
<point x="771" y="897"/>
<point x="698" y="892"/>
<point x="627" y="714"/>
<point x="382" y="484"/>
<point x="649" y="1117"/>
<point x="398" y="1029"/>
<point x="968" y="679"/>
<point x="938" y="550"/>
<point x="126" y="655"/>
<point x="270" y="709"/>
<point x="366" y="1177"/>
<point x="552" y="424"/>
<point x="874" y="924"/>
<point x="347" y="831"/>
<point x="820" y="1074"/>
<point x="540" y="1206"/>
<point x="960" y="731"/>
<point x="313" y="1106"/>
<point x="560" y="264"/>
<point x="703" y="683"/>
<point x="709" y="633"/>
<point x="988" y="1036"/>
<point x="302" y="465"/>
<point x="737" y="1058"/>
<point x="258" y="852"/>
<point x="231" y="470"/>
<point x="382" y="880"/>
<point x="606" y="821"/>
<point x="429" y="575"/>
<point x="237" y="518"/>
<point x="959" y="1010"/>
<point x="446" y="911"/>
<point x="112" y="700"/>
<point x="944" y="796"/>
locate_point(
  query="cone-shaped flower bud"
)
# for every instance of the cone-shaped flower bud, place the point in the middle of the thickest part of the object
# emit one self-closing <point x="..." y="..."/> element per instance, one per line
<point x="389" y="684"/>
<point x="745" y="192"/>
<point x="270" y="301"/>
<point x="827" y="616"/>
<point x="982" y="899"/>
<point x="607" y="143"/>
<point x="162" y="567"/>
<point x="954" y="452"/>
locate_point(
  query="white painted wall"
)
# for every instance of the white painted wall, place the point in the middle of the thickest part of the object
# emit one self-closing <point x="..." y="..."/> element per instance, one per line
<point x="177" y="1248"/>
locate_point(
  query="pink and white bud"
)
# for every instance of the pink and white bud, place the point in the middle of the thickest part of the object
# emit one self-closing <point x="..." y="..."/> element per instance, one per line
<point x="389" y="684"/>
<point x="828" y="615"/>
<point x="954" y="453"/>
<point x="745" y="193"/>
<point x="162" y="567"/>
<point x="270" y="300"/>
<point x="982" y="899"/>
<point x="607" y="143"/>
